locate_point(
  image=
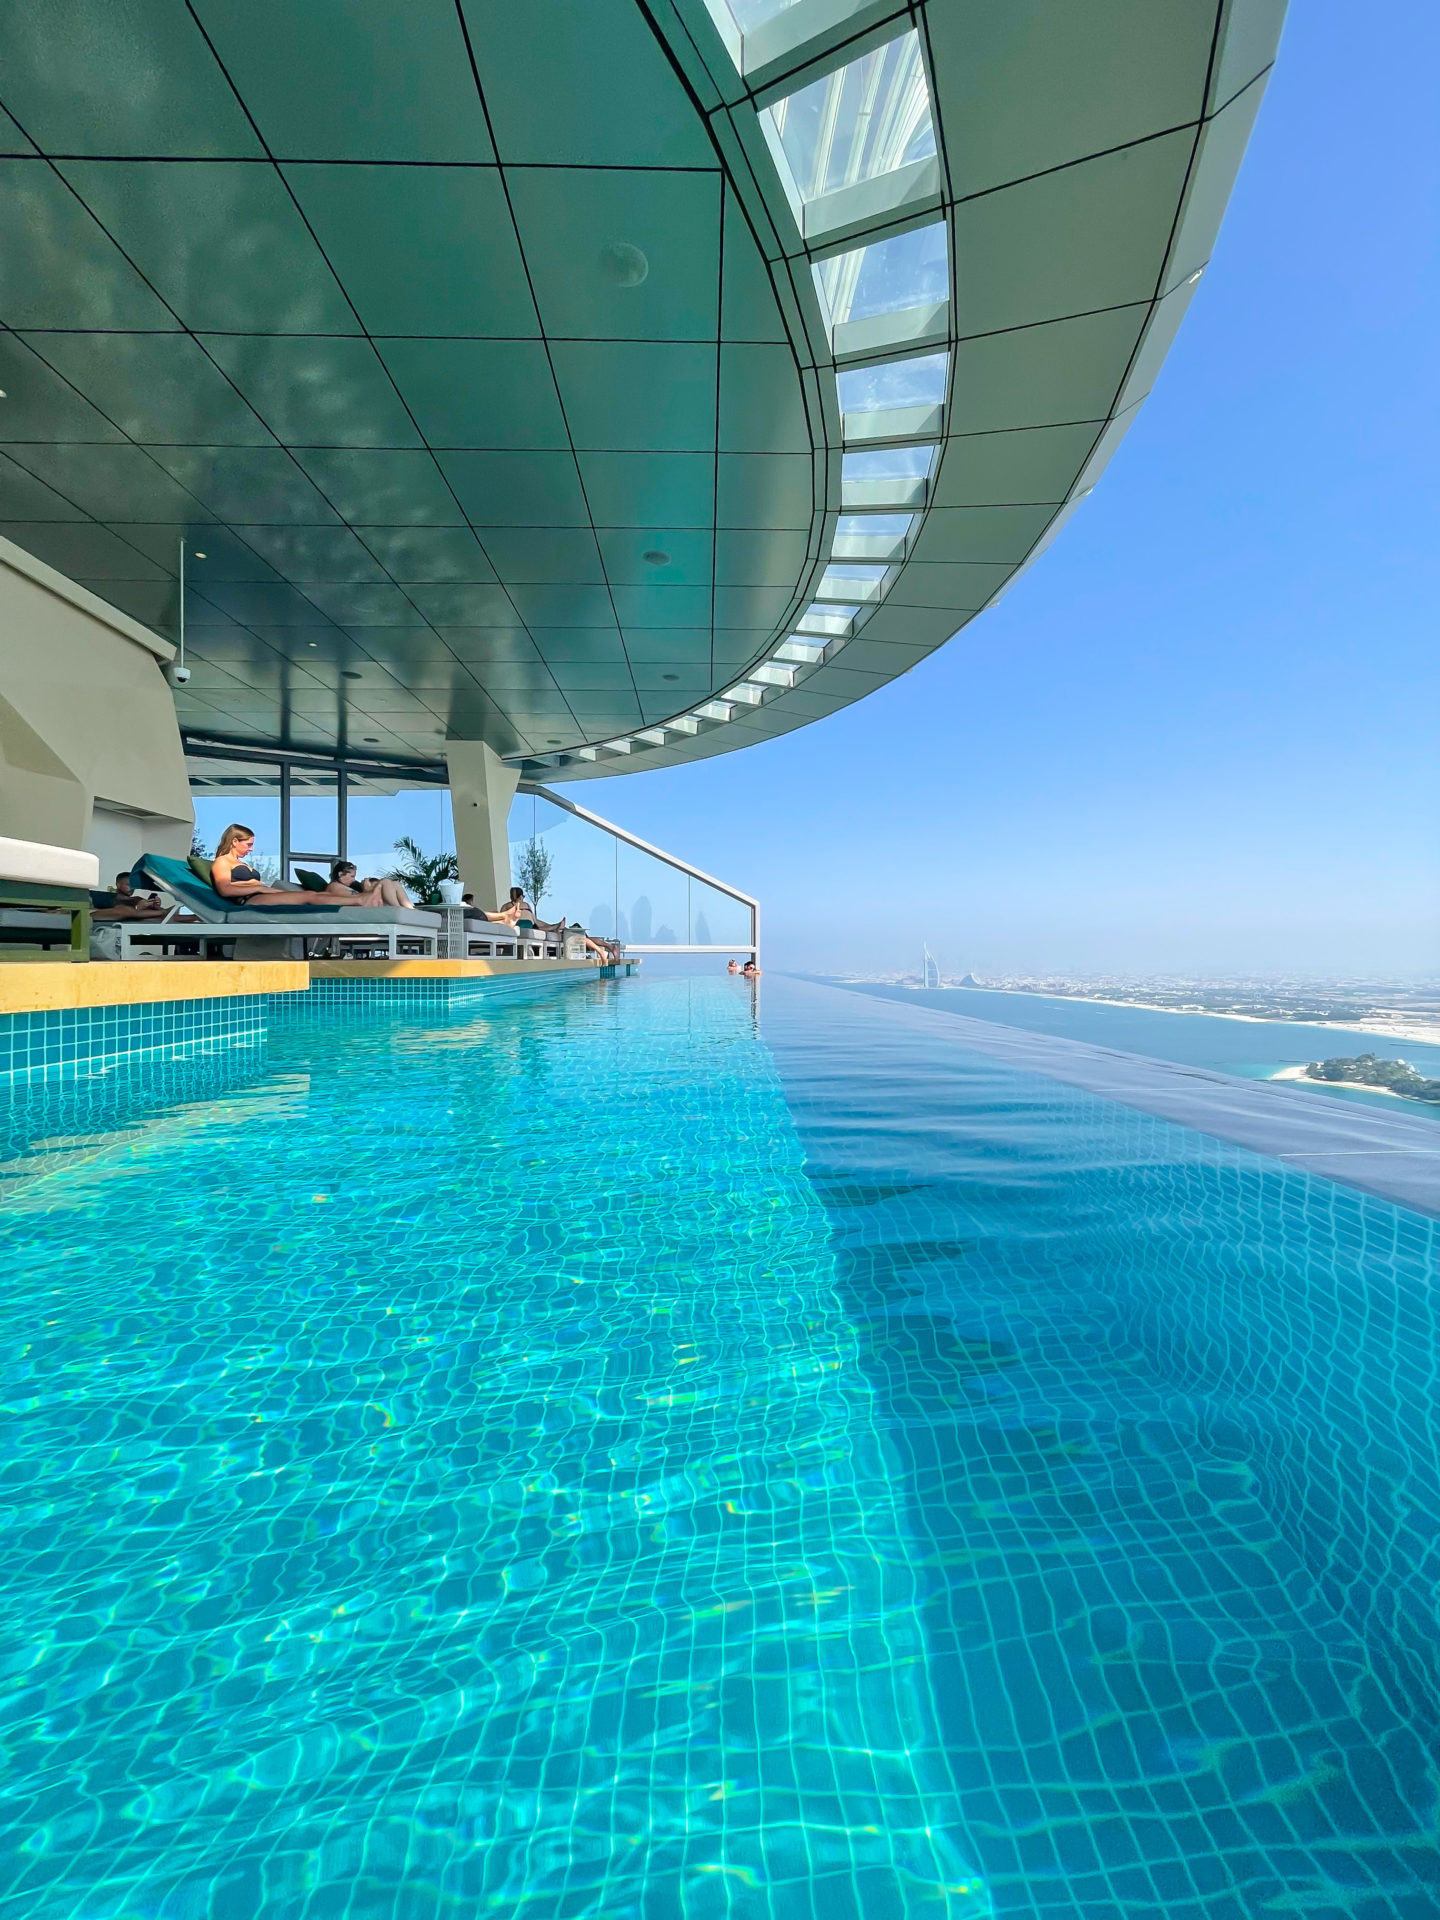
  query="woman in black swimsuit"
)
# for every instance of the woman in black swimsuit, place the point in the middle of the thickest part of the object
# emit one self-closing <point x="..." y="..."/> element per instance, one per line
<point x="237" y="882"/>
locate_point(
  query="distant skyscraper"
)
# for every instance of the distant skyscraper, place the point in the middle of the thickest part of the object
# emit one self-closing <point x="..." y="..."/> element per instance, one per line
<point x="929" y="969"/>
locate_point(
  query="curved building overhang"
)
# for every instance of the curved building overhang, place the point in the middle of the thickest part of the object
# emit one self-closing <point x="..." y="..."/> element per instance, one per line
<point x="616" y="383"/>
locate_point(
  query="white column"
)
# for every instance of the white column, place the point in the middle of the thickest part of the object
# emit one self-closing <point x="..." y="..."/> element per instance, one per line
<point x="481" y="790"/>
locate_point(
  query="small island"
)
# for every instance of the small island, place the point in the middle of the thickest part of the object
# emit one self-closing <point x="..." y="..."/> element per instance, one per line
<point x="1368" y="1070"/>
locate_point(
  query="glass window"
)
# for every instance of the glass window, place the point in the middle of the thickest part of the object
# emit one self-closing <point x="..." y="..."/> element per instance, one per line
<point x="888" y="463"/>
<point x="873" y="526"/>
<point x="852" y="570"/>
<point x="889" y="276"/>
<point x="898" y="383"/>
<point x="862" y="121"/>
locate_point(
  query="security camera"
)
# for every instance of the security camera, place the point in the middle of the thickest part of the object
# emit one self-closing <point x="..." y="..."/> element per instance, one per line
<point x="179" y="676"/>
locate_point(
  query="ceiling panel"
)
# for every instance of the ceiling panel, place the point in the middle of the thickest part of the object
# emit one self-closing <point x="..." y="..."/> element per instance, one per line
<point x="23" y="497"/>
<point x="83" y="550"/>
<point x="384" y="489"/>
<point x="243" y="485"/>
<point x="362" y="605"/>
<point x="316" y="392"/>
<point x="116" y="483"/>
<point x="650" y="489"/>
<point x="465" y="606"/>
<point x="631" y="394"/>
<point x="1053" y="375"/>
<point x="39" y="405"/>
<point x="766" y="490"/>
<point x="215" y="552"/>
<point x="1087" y="237"/>
<point x="980" y="533"/>
<point x="429" y="554"/>
<point x="311" y="553"/>
<point x="58" y="267"/>
<point x="762" y="405"/>
<point x="658" y="556"/>
<point x="221" y="241"/>
<point x="749" y="307"/>
<point x="517" y="489"/>
<point x="611" y="96"/>
<point x="658" y="606"/>
<point x="571" y="225"/>
<point x="1037" y="465"/>
<point x="12" y="140"/>
<point x="479" y="393"/>
<point x="421" y="250"/>
<point x="119" y="77"/>
<point x="770" y="558"/>
<point x="1035" y="84"/>
<point x="537" y="555"/>
<point x="573" y="606"/>
<point x="398" y="80"/>
<point x="156" y="387"/>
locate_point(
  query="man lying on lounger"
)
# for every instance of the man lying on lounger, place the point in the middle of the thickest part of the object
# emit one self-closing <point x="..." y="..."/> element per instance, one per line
<point x="130" y="905"/>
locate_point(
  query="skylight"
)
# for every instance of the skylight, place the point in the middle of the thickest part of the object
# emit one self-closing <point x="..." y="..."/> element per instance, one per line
<point x="858" y="123"/>
<point x="896" y="383"/>
<point x="903" y="281"/>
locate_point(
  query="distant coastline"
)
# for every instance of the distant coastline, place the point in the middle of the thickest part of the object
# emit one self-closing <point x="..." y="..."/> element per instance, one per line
<point x="1426" y="1033"/>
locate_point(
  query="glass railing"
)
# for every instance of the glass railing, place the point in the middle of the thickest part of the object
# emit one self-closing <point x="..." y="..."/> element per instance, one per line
<point x="617" y="885"/>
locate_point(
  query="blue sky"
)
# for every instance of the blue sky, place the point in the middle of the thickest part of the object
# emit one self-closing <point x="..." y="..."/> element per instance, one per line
<point x="1200" y="735"/>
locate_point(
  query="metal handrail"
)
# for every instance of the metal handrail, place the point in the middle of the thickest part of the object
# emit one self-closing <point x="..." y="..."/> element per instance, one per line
<point x="670" y="860"/>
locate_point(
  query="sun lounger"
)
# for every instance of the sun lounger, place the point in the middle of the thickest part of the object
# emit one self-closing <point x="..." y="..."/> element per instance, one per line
<point x="394" y="931"/>
<point x="59" y="879"/>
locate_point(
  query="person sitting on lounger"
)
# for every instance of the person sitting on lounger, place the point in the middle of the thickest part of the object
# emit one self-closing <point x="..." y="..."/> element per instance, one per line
<point x="130" y="905"/>
<point x="236" y="881"/>
<point x="352" y="892"/>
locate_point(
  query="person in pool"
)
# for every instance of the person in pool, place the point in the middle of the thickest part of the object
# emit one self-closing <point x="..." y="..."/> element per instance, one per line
<point x="352" y="892"/>
<point x="750" y="970"/>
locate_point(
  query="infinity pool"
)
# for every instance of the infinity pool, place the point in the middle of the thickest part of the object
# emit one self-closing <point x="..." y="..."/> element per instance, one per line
<point x="608" y="1456"/>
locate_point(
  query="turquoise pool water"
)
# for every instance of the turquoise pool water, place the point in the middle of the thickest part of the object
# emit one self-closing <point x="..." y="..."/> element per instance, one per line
<point x="1252" y="1049"/>
<point x="603" y="1457"/>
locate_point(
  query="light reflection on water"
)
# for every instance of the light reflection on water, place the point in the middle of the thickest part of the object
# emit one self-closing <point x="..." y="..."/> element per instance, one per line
<point x="579" y="1459"/>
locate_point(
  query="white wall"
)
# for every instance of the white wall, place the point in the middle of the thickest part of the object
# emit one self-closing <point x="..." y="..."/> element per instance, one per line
<point x="86" y="722"/>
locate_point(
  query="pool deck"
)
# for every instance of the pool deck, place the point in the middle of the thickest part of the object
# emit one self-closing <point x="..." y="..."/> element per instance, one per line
<point x="45" y="987"/>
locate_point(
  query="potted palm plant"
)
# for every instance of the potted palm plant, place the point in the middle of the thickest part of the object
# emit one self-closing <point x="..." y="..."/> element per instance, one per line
<point x="422" y="874"/>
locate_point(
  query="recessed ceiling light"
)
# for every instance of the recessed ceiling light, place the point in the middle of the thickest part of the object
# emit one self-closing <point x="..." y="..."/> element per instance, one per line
<point x="3" y="394"/>
<point x="201" y="556"/>
<point x="349" y="674"/>
<point x="312" y="643"/>
<point x="552" y="743"/>
<point x="669" y="676"/>
<point x="624" y="265"/>
<point x="371" y="740"/>
<point x="656" y="557"/>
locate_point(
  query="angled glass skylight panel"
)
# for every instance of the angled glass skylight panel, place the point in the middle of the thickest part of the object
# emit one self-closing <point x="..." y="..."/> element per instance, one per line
<point x="871" y="536"/>
<point x="802" y="653"/>
<point x="896" y="400"/>
<point x="830" y="617"/>
<point x="772" y="675"/>
<point x="886" y="476"/>
<point x="858" y="145"/>
<point x="853" y="580"/>
<point x="893" y="293"/>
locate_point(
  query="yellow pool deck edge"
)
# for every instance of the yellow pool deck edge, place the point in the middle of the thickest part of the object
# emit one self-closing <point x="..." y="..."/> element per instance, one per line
<point x="36" y="987"/>
<point x="443" y="969"/>
<point x="43" y="987"/>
